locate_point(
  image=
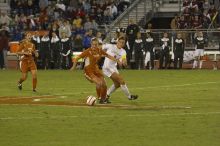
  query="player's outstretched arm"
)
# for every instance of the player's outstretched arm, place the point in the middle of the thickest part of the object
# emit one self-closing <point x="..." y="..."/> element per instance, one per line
<point x="75" y="60"/>
<point x="114" y="59"/>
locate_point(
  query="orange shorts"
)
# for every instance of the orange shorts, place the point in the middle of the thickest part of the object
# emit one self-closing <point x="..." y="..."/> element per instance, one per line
<point x="27" y="65"/>
<point x="91" y="74"/>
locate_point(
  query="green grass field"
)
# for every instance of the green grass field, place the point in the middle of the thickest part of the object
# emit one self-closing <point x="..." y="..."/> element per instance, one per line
<point x="175" y="108"/>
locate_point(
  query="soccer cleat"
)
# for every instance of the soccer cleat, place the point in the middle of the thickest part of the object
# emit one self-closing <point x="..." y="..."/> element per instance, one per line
<point x="133" y="97"/>
<point x="107" y="100"/>
<point x="34" y="90"/>
<point x="19" y="86"/>
<point x="101" y="101"/>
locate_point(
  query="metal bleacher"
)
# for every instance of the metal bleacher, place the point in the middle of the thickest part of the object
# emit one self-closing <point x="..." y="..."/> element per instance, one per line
<point x="142" y="11"/>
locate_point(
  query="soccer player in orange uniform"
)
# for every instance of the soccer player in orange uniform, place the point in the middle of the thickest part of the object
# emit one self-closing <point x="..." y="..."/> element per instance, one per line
<point x="91" y="70"/>
<point x="27" y="52"/>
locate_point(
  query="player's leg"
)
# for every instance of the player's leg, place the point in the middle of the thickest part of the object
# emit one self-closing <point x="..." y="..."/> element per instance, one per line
<point x="34" y="79"/>
<point x="117" y="78"/>
<point x="24" y="69"/>
<point x="22" y="79"/>
<point x="113" y="87"/>
<point x="201" y="54"/>
<point x="91" y="78"/>
<point x="195" y="62"/>
<point x="103" y="90"/>
<point x="99" y="84"/>
<point x="33" y="69"/>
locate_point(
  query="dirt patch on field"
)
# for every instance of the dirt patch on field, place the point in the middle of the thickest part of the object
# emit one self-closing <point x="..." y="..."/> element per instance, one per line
<point x="44" y="100"/>
<point x="37" y="100"/>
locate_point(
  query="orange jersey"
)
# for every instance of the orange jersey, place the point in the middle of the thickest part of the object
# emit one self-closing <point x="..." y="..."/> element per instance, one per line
<point x="26" y="46"/>
<point x="92" y="56"/>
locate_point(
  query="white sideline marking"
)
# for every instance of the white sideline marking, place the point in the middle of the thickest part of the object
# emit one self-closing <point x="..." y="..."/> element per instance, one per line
<point x="108" y="116"/>
<point x="181" y="85"/>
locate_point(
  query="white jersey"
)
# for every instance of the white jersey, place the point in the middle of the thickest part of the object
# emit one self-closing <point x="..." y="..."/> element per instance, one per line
<point x="110" y="66"/>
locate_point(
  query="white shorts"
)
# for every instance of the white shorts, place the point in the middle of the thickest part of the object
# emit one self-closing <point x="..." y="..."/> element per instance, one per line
<point x="109" y="71"/>
<point x="199" y="52"/>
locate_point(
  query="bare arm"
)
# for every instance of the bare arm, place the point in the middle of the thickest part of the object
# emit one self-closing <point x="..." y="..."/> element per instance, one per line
<point x="114" y="59"/>
<point x="75" y="63"/>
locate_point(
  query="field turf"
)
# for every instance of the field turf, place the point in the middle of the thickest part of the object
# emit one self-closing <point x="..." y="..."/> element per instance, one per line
<point x="175" y="108"/>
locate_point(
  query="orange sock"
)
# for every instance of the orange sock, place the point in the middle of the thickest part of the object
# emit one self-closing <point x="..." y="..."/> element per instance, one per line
<point x="103" y="92"/>
<point x="34" y="82"/>
<point x="98" y="92"/>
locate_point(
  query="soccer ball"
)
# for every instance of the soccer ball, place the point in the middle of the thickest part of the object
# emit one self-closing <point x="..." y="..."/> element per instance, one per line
<point x="91" y="100"/>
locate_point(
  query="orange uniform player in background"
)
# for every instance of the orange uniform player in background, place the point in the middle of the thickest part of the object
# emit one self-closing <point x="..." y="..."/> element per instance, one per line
<point x="91" y="69"/>
<point x="27" y="54"/>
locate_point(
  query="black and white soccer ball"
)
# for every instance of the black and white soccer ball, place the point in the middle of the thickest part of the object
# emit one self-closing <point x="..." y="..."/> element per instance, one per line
<point x="91" y="100"/>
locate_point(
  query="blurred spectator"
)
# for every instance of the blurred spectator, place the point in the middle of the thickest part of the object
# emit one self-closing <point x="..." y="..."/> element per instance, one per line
<point x="43" y="4"/>
<point x="94" y="26"/>
<point x="55" y="51"/>
<point x="88" y="24"/>
<point x="206" y="5"/>
<point x="87" y="39"/>
<point x="149" y="51"/>
<point x="196" y="23"/>
<point x="174" y="22"/>
<point x="131" y="32"/>
<point x="66" y="52"/>
<point x="4" y="40"/>
<point x="78" y="43"/>
<point x="86" y="6"/>
<point x="65" y="28"/>
<point x="178" y="51"/>
<point x="45" y="51"/>
<point x="4" y="19"/>
<point x="138" y="51"/>
<point x="54" y="29"/>
<point x="182" y="24"/>
<point x="16" y="34"/>
<point x="107" y="16"/>
<point x="36" y="40"/>
<point x="77" y="22"/>
<point x="164" y="52"/>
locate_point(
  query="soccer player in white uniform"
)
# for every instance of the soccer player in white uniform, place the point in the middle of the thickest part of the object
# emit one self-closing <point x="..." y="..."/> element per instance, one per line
<point x="199" y="50"/>
<point x="110" y="67"/>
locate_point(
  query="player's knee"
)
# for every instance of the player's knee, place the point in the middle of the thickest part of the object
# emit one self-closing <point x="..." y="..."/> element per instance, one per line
<point x="99" y="84"/>
<point x="121" y="81"/>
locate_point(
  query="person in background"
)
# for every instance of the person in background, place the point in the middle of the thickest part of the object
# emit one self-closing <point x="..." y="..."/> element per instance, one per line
<point x="66" y="52"/>
<point x="165" y="50"/>
<point x="55" y="50"/>
<point x="178" y="51"/>
<point x="4" y="42"/>
<point x="199" y="49"/>
<point x="138" y="50"/>
<point x="87" y="39"/>
<point x="131" y="33"/>
<point x="45" y="51"/>
<point x="149" y="51"/>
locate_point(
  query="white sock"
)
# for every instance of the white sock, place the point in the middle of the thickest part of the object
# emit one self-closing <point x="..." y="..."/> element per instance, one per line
<point x="195" y="64"/>
<point x="124" y="88"/>
<point x="200" y="64"/>
<point x="111" y="90"/>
